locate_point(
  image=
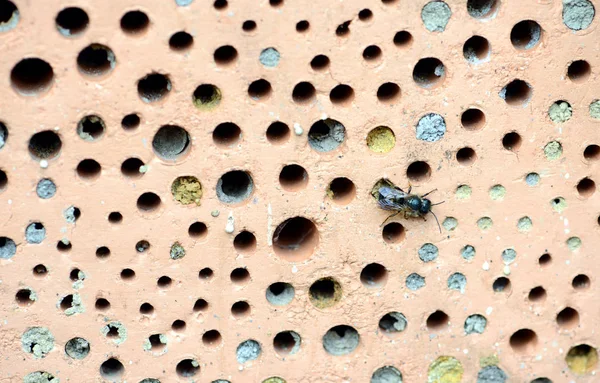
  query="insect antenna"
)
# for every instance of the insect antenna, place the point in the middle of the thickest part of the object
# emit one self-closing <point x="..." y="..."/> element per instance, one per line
<point x="436" y="220"/>
<point x="439" y="203"/>
<point x="426" y="194"/>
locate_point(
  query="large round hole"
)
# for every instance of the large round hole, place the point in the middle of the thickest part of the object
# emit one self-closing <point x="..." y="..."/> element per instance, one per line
<point x="429" y="72"/>
<point x="71" y="21"/>
<point x="131" y="167"/>
<point x="278" y="133"/>
<point x="581" y="282"/>
<point x="287" y="342"/>
<point x="466" y="156"/>
<point x="418" y="171"/>
<point x="319" y="63"/>
<point x="181" y="41"/>
<point x="225" y="55"/>
<point x="476" y="50"/>
<point x="212" y="338"/>
<point x="244" y="242"/>
<point x="341" y="340"/>
<point x="579" y="71"/>
<point x="295" y="239"/>
<point x="240" y="309"/>
<point x="501" y="284"/>
<point x="280" y="293"/>
<point x="91" y="128"/>
<point x="45" y="145"/>
<point x="259" y="90"/>
<point x="96" y="60"/>
<point x="240" y="276"/>
<point x="537" y="294"/>
<point x="148" y="202"/>
<point x="341" y="190"/>
<point x="25" y="297"/>
<point x="326" y="135"/>
<point x="341" y="95"/>
<point x="473" y="119"/>
<point x="403" y="39"/>
<point x="130" y="122"/>
<point x="32" y="76"/>
<point x="392" y="323"/>
<point x="226" y="134"/>
<point x="206" y="97"/>
<point x="89" y="169"/>
<point x="234" y="187"/>
<point x="525" y="34"/>
<point x="482" y="9"/>
<point x="568" y="318"/>
<point x="393" y="232"/>
<point x="374" y="275"/>
<point x="170" y="142"/>
<point x="524" y="341"/>
<point x="293" y="178"/>
<point x="112" y="369"/>
<point x="372" y="53"/>
<point x="303" y="92"/>
<point x="134" y="22"/>
<point x="187" y="368"/>
<point x="388" y="93"/>
<point x="592" y="153"/>
<point x="582" y="359"/>
<point x="198" y="230"/>
<point x="153" y="87"/>
<point x="512" y="141"/>
<point x="516" y="93"/>
<point x="586" y="187"/>
<point x="437" y="320"/>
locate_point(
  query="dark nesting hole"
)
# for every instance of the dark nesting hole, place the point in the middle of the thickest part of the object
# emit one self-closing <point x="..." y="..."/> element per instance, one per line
<point x="429" y="72"/>
<point x="418" y="171"/>
<point x="88" y="169"/>
<point x="153" y="87"/>
<point x="402" y="39"/>
<point x="170" y="142"/>
<point x="178" y="325"/>
<point x="525" y="34"/>
<point x="180" y="41"/>
<point x="103" y="252"/>
<point x="225" y="55"/>
<point x="341" y="94"/>
<point x="537" y="294"/>
<point x="278" y="133"/>
<point x="134" y="22"/>
<point x="343" y="29"/>
<point x="3" y="134"/>
<point x="130" y="121"/>
<point x="501" y="284"/>
<point x="568" y="318"/>
<point x="45" y="145"/>
<point x="220" y="5"/>
<point x="259" y="89"/>
<point x="112" y="369"/>
<point x="581" y="282"/>
<point x="476" y="48"/>
<point x="516" y="93"/>
<point x="3" y="179"/>
<point x="295" y="239"/>
<point x="72" y="21"/>
<point x="586" y="187"/>
<point x="197" y="230"/>
<point x="142" y="246"/>
<point x="164" y="282"/>
<point x="466" y="156"/>
<point x="481" y="9"/>
<point x="206" y="96"/>
<point x="200" y="305"/>
<point x="148" y="202"/>
<point x="472" y="119"/>
<point x="25" y="297"/>
<point x="8" y="10"/>
<point x="187" y="368"/>
<point x="102" y="304"/>
<point x="512" y="141"/>
<point x="115" y="217"/>
<point x="341" y="340"/>
<point x="303" y="92"/>
<point x="437" y="320"/>
<point x="91" y="128"/>
<point x="302" y="26"/>
<point x="39" y="271"/>
<point x="592" y="152"/>
<point x="155" y="342"/>
<point x="211" y="338"/>
<point x="388" y="92"/>
<point x="113" y="331"/>
<point x="523" y="341"/>
<point x="131" y="167"/>
<point x="226" y="134"/>
<point x="319" y="62"/>
<point x="206" y="274"/>
<point x="342" y="190"/>
<point x="286" y="342"/>
<point x="240" y="309"/>
<point x="96" y="60"/>
<point x="63" y="246"/>
<point x="146" y="309"/>
<point x="579" y="70"/>
<point x="293" y="178"/>
<point x="392" y="322"/>
<point x="393" y="232"/>
<point x="373" y="275"/>
<point x="325" y="292"/>
<point x="248" y="25"/>
<point x="365" y="15"/>
<point x="372" y="53"/>
<point x="74" y="275"/>
<point x="240" y="276"/>
<point x="127" y="275"/>
<point x="244" y="242"/>
<point x="66" y="303"/>
<point x="234" y="187"/>
<point x="31" y="76"/>
<point x="545" y="260"/>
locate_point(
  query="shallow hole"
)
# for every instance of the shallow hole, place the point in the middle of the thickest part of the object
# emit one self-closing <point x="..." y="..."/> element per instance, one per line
<point x="225" y="55"/>
<point x="372" y="53"/>
<point x="579" y="71"/>
<point x="91" y="128"/>
<point x="303" y="92"/>
<point x="343" y="30"/>
<point x="45" y="145"/>
<point x="537" y="294"/>
<point x="206" y="97"/>
<point x="102" y="304"/>
<point x="293" y="178"/>
<point x="240" y="276"/>
<point x="171" y="142"/>
<point x="178" y="325"/>
<point x="244" y="242"/>
<point x="402" y="39"/>
<point x="198" y="230"/>
<point x="89" y="169"/>
<point x="259" y="90"/>
<point x="130" y="122"/>
<point x="429" y="72"/>
<point x="523" y="341"/>
<point x="418" y="171"/>
<point x="512" y="141"/>
<point x="481" y="9"/>
<point x="437" y="320"/>
<point x="40" y="271"/>
<point x="96" y="60"/>
<point x="240" y="309"/>
<point x="206" y="274"/>
<point x="211" y="338"/>
<point x="278" y="133"/>
<point x="516" y="93"/>
<point x="25" y="297"/>
<point x="226" y="134"/>
<point x="286" y="342"/>
<point x="180" y="41"/>
<point x="501" y="284"/>
<point x="466" y="156"/>
<point x="280" y="293"/>
<point x="388" y="93"/>
<point x="341" y="94"/>
<point x="476" y="49"/>
<point x="156" y="344"/>
<point x="586" y="187"/>
<point x="582" y="359"/>
<point x="326" y="135"/>
<point x="341" y="340"/>
<point x="545" y="260"/>
<point x="112" y="369"/>
<point x="374" y="275"/>
<point x="320" y="63"/>
<point x="472" y="119"/>
<point x="581" y="282"/>
<point x="248" y="25"/>
<point x="134" y="22"/>
<point x="295" y="239"/>
<point x="200" y="305"/>
<point x="365" y="15"/>
<point x="164" y="282"/>
<point x="103" y="252"/>
<point x="142" y="246"/>
<point x="525" y="34"/>
<point x="234" y="187"/>
<point x="153" y="87"/>
<point x="592" y="152"/>
<point x="72" y="21"/>
<point x="146" y="309"/>
<point x="302" y="26"/>
<point x="32" y="76"/>
<point x="127" y="275"/>
<point x="393" y="322"/>
<point x="342" y="190"/>
<point x="187" y="368"/>
<point x="393" y="232"/>
<point x="131" y="167"/>
<point x="325" y="292"/>
<point x="568" y="318"/>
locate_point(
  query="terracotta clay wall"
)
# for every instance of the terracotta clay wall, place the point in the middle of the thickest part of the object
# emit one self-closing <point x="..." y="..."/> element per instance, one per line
<point x="187" y="191"/>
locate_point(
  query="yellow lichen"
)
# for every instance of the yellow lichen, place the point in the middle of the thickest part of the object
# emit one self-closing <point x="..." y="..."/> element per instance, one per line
<point x="445" y="369"/>
<point x="490" y="360"/>
<point x="381" y="139"/>
<point x="323" y="298"/>
<point x="582" y="359"/>
<point x="187" y="190"/>
<point x="274" y="379"/>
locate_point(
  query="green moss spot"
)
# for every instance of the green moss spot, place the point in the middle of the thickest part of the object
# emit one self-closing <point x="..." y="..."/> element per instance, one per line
<point x="187" y="190"/>
<point x="574" y="243"/>
<point x="485" y="223"/>
<point x="497" y="192"/>
<point x="445" y="369"/>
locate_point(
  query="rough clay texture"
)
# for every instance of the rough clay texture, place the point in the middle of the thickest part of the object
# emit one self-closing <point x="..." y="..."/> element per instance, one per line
<point x="547" y="165"/>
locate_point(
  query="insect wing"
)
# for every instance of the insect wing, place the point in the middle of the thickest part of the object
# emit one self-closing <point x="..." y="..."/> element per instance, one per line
<point x="388" y="198"/>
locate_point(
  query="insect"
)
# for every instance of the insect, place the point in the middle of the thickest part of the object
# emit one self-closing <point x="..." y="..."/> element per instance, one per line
<point x="393" y="198"/>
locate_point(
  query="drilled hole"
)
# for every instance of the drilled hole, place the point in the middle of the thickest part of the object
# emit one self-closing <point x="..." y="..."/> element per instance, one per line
<point x="512" y="141"/>
<point x="91" y="128"/>
<point x="437" y="320"/>
<point x="393" y="233"/>
<point x="473" y="119"/>
<point x="39" y="271"/>
<point x="134" y="22"/>
<point x="3" y="180"/>
<point x="226" y="134"/>
<point x="63" y="246"/>
<point x="72" y="21"/>
<point x="365" y="15"/>
<point x="326" y="135"/>
<point x="393" y="322"/>
<point x="537" y="294"/>
<point x="220" y="5"/>
<point x="592" y="152"/>
<point x="303" y="92"/>
<point x="286" y="343"/>
<point x="25" y="297"/>
<point x="240" y="309"/>
<point x="148" y="202"/>
<point x="103" y="252"/>
<point x="153" y="87"/>
<point x="259" y="90"/>
<point x="586" y="187"/>
<point x="32" y="76"/>
<point x="180" y="41"/>
<point x="476" y="49"/>
<point x="178" y="325"/>
<point x="295" y="239"/>
<point x="248" y="25"/>
<point x="293" y="178"/>
<point x="66" y="303"/>
<point x="342" y="190"/>
<point x="516" y="93"/>
<point x="320" y="63"/>
<point x="280" y="293"/>
<point x="112" y="369"/>
<point x="96" y="60"/>
<point x="206" y="274"/>
<point x="372" y="53"/>
<point x="579" y="71"/>
<point x="131" y="167"/>
<point x="200" y="305"/>
<point x="240" y="276"/>
<point x="525" y="34"/>
<point x="146" y="309"/>
<point x="403" y="39"/>
<point x="388" y="93"/>
<point x="418" y="171"/>
<point x="341" y="340"/>
<point x="374" y="275"/>
<point x="466" y="156"/>
<point x="343" y="30"/>
<point x="482" y="9"/>
<point x="206" y="97"/>
<point x="523" y="341"/>
<point x="102" y="304"/>
<point x="211" y="338"/>
<point x="225" y="55"/>
<point x="45" y="145"/>
<point x="164" y="282"/>
<point x="187" y="368"/>
<point x="234" y="187"/>
<point x="581" y="282"/>
<point x="545" y="260"/>
<point x="130" y="122"/>
<point x="568" y="318"/>
<point x="142" y="246"/>
<point x="171" y="142"/>
<point x="244" y="242"/>
<point x="278" y="133"/>
<point x="127" y="275"/>
<point x="501" y="284"/>
<point x="325" y="292"/>
<point x="156" y="342"/>
<point x="89" y="169"/>
<point x="198" y="230"/>
<point x="429" y="72"/>
<point x="341" y="95"/>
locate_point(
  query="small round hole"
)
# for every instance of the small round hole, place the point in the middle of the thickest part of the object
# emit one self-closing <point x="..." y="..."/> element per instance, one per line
<point x="248" y="25"/>
<point x="429" y="72"/>
<point x="103" y="252"/>
<point x="91" y="128"/>
<point x="212" y="338"/>
<point x="341" y="190"/>
<point x="325" y="292"/>
<point x="200" y="305"/>
<point x="365" y="15"/>
<point x="567" y="318"/>
<point x="127" y="275"/>
<point x="372" y="53"/>
<point x="545" y="260"/>
<point x="45" y="145"/>
<point x="343" y="30"/>
<point x="326" y="135"/>
<point x="437" y="320"/>
<point x="512" y="141"/>
<point x="525" y="34"/>
<point x="295" y="239"/>
<point x="473" y="119"/>
<point x="293" y="178"/>
<point x="418" y="171"/>
<point x="142" y="246"/>
<point x="374" y="275"/>
<point x="178" y="325"/>
<point x="25" y="297"/>
<point x="89" y="169"/>
<point x="303" y="92"/>
<point x="115" y="217"/>
<point x="198" y="230"/>
<point x="276" y="3"/>
<point x="206" y="274"/>
<point x="476" y="50"/>
<point x="112" y="369"/>
<point x="581" y="282"/>
<point x="225" y="55"/>
<point x="482" y="9"/>
<point x="164" y="282"/>
<point x="501" y="284"/>
<point x="388" y="93"/>
<point x="320" y="63"/>
<point x="131" y="167"/>
<point x="259" y="90"/>
<point x="286" y="343"/>
<point x="130" y="122"/>
<point x="240" y="309"/>
<point x="226" y="134"/>
<point x="134" y="22"/>
<point x="102" y="304"/>
<point x="579" y="71"/>
<point x="148" y="202"/>
<point x="586" y="187"/>
<point x="537" y="294"/>
<point x="96" y="60"/>
<point x="393" y="233"/>
<point x="302" y="26"/>
<point x="466" y="156"/>
<point x="187" y="368"/>
<point x="63" y="246"/>
<point x="240" y="276"/>
<point x="220" y="5"/>
<point x="171" y="142"/>
<point x="278" y="133"/>
<point x="76" y="275"/>
<point x="592" y="152"/>
<point x="235" y="187"/>
<point x="32" y="76"/>
<point x="181" y="41"/>
<point x="153" y="87"/>
<point x="39" y="271"/>
<point x="523" y="341"/>
<point x="146" y="309"/>
<point x="206" y="97"/>
<point x="516" y="93"/>
<point x="71" y="21"/>
<point x="341" y="95"/>
<point x="403" y="39"/>
<point x="244" y="242"/>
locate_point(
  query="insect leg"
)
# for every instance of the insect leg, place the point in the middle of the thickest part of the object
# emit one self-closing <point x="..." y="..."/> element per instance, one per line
<point x="388" y="218"/>
<point x="438" y="222"/>
<point x="426" y="194"/>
